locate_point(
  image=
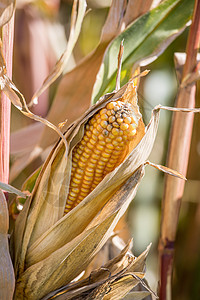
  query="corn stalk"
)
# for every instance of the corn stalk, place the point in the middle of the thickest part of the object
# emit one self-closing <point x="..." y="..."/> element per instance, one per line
<point x="180" y="140"/>
<point x="5" y="105"/>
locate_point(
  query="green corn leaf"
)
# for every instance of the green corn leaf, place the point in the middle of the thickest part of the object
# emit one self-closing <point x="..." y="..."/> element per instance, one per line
<point x="144" y="40"/>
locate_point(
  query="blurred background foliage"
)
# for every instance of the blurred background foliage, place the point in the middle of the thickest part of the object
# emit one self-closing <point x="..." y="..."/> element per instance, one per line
<point x="41" y="32"/>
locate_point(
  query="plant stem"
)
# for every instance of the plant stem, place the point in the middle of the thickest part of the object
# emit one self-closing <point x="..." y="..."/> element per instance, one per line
<point x="178" y="155"/>
<point x="5" y="105"/>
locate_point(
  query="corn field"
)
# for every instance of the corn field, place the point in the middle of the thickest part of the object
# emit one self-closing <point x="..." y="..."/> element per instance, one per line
<point x="99" y="149"/>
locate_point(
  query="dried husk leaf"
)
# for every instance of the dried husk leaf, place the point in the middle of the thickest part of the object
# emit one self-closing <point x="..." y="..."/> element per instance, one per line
<point x="52" y="273"/>
<point x="136" y="295"/>
<point x="111" y="205"/>
<point x="7" y="277"/>
<point x="100" y="278"/>
<point x="39" y="240"/>
<point x="64" y="264"/>
<point x="56" y="172"/>
<point x="74" y="33"/>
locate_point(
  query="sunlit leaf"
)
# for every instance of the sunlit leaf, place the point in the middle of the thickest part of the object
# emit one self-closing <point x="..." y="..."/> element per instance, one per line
<point x="146" y="38"/>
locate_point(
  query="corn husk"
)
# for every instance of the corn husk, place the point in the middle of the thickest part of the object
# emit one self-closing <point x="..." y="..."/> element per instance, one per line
<point x="54" y="248"/>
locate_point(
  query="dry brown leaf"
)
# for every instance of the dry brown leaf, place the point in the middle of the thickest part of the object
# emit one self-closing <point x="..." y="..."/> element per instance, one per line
<point x="102" y="279"/>
<point x="166" y="170"/>
<point x="7" y="277"/>
<point x="74" y="33"/>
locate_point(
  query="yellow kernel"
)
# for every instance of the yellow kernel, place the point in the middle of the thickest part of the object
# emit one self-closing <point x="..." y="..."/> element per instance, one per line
<point x="109" y="165"/>
<point x="83" y="159"/>
<point x="79" y="151"/>
<point x="109" y="113"/>
<point x="84" y="190"/>
<point x="115" y="124"/>
<point x="103" y="111"/>
<point x="119" y="120"/>
<point x="94" y="161"/>
<point x="91" y="165"/>
<point x="111" y="119"/>
<point x="99" y="128"/>
<point x="88" y="178"/>
<point x="100" y="147"/>
<point x="108" y="150"/>
<point x="74" y="184"/>
<point x="72" y="194"/>
<point x="104" y="154"/>
<point x="86" y="186"/>
<point x="101" y="137"/>
<point x="79" y="171"/>
<point x="90" y="145"/>
<point x="104" y="117"/>
<point x="92" y="142"/>
<point x="82" y="194"/>
<point x="124" y="126"/>
<point x="108" y="140"/>
<point x="110" y="105"/>
<point x="100" y="171"/>
<point x="104" y="124"/>
<point x="115" y="131"/>
<point x="96" y="182"/>
<point x="88" y="133"/>
<point x="115" y="143"/>
<point x="75" y="190"/>
<point x="100" y="164"/>
<point x="70" y="198"/>
<point x="132" y="126"/>
<point x="97" y="151"/>
<point x="102" y="142"/>
<point x="118" y="148"/>
<point x="86" y="138"/>
<point x="75" y="180"/>
<point x="132" y="133"/>
<point x="96" y="132"/>
<point x="119" y="139"/>
<point x="94" y="137"/>
<point x="87" y="150"/>
<point x="81" y="164"/>
<point x="75" y="159"/>
<point x="127" y="120"/>
<point x="109" y="127"/>
<point x="78" y="176"/>
<point x="83" y="142"/>
<point x="76" y="155"/>
<point x="98" y="176"/>
<point x="92" y="121"/>
<point x="109" y="146"/>
<point x="86" y="155"/>
<point x="95" y="156"/>
<point x="112" y="160"/>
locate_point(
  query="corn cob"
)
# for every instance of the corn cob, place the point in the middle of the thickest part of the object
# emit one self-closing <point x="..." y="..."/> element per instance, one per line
<point x="102" y="148"/>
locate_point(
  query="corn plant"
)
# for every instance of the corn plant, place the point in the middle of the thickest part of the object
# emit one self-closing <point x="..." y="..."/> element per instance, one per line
<point x="67" y="210"/>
